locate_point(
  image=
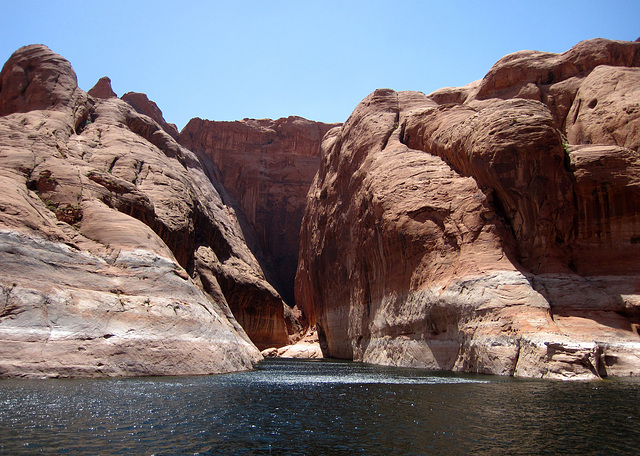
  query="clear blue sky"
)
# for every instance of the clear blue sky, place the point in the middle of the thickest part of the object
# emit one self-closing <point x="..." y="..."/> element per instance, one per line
<point x="226" y="60"/>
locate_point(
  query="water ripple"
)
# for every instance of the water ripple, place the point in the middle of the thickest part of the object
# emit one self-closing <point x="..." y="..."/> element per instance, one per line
<point x="312" y="408"/>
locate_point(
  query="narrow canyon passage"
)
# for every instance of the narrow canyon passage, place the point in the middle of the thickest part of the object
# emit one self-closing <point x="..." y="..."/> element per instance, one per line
<point x="491" y="228"/>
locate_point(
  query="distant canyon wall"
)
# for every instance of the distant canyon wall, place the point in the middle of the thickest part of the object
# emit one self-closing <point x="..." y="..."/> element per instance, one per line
<point x="267" y="167"/>
<point x="492" y="228"/>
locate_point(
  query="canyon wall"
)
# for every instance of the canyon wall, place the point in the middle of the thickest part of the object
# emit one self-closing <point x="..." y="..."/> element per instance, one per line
<point x="492" y="228"/>
<point x="118" y="256"/>
<point x="267" y="167"/>
<point x="267" y="320"/>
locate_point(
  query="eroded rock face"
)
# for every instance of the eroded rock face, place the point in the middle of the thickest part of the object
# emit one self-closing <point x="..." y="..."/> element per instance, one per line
<point x="462" y="231"/>
<point x="267" y="167"/>
<point x="606" y="109"/>
<point x="143" y="105"/>
<point x="118" y="255"/>
<point x="35" y="78"/>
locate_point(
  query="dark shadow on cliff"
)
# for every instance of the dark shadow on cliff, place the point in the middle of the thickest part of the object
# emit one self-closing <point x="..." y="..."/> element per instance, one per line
<point x="214" y="175"/>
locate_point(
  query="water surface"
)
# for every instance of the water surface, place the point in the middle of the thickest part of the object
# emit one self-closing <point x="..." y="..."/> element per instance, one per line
<point x="288" y="407"/>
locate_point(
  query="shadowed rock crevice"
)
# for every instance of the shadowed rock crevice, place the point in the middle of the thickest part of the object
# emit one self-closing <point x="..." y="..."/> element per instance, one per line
<point x="266" y="167"/>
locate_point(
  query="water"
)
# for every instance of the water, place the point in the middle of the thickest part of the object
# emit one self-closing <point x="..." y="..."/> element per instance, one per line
<point x="288" y="407"/>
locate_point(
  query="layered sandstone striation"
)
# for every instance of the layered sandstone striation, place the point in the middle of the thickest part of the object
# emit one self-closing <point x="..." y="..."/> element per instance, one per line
<point x="492" y="228"/>
<point x="118" y="255"/>
<point x="267" y="167"/>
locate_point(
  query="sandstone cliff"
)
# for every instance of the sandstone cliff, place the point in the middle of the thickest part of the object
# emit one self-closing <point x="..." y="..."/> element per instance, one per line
<point x="267" y="167"/>
<point x="117" y="254"/>
<point x="266" y="319"/>
<point x="491" y="228"/>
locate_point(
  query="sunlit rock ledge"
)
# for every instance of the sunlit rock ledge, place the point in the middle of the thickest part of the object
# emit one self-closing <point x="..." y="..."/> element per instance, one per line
<point x="67" y="313"/>
<point x="306" y="348"/>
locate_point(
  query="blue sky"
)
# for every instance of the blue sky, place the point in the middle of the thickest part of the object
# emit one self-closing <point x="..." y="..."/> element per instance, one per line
<point x="317" y="59"/>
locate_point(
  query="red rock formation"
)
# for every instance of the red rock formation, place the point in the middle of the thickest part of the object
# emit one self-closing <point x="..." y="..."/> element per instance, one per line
<point x="102" y="89"/>
<point x="24" y="89"/>
<point x="460" y="231"/>
<point x="607" y="193"/>
<point x="113" y="240"/>
<point x="606" y="109"/>
<point x="267" y="167"/>
<point x="515" y="71"/>
<point x="143" y="105"/>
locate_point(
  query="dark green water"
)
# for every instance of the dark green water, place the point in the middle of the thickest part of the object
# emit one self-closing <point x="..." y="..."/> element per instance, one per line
<point x="320" y="408"/>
